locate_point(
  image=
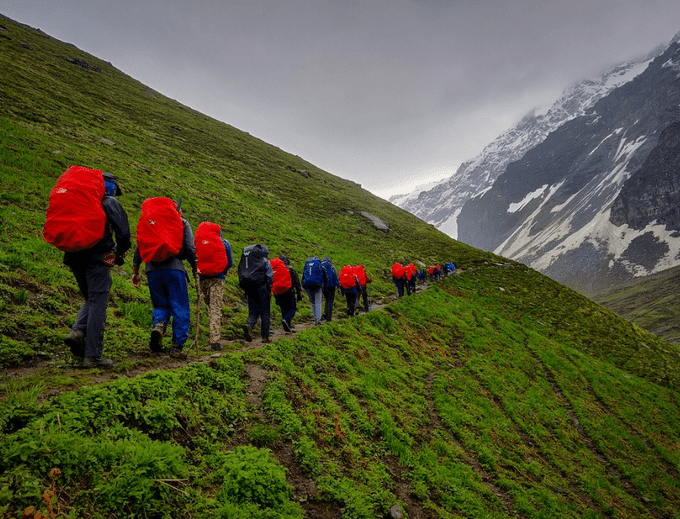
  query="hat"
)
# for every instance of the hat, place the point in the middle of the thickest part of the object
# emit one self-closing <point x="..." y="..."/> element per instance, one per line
<point x="108" y="177"/>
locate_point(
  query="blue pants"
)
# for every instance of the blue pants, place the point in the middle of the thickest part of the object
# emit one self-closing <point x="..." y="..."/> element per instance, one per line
<point x="94" y="282"/>
<point x="170" y="298"/>
<point x="315" y="299"/>
<point x="400" y="283"/>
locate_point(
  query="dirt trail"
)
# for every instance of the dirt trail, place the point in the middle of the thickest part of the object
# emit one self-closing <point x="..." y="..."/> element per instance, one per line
<point x="145" y="362"/>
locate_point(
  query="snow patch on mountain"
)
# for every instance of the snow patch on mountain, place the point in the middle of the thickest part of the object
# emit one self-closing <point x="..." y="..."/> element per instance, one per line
<point x="441" y="203"/>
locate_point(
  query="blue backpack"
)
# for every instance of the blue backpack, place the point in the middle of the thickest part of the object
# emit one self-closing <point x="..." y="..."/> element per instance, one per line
<point x="312" y="275"/>
<point x="333" y="281"/>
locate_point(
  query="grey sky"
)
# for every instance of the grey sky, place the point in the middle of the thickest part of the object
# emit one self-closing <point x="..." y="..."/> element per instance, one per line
<point x="389" y="94"/>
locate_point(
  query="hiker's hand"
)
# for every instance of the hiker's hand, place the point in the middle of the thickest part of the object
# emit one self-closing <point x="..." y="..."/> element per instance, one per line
<point x="136" y="281"/>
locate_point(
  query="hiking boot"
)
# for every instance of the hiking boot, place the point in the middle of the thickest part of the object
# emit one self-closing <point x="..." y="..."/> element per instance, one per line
<point x="247" y="332"/>
<point x="286" y="326"/>
<point x="177" y="352"/>
<point x="216" y="346"/>
<point x="266" y="339"/>
<point x="156" y="341"/>
<point x="91" y="362"/>
<point x="75" y="340"/>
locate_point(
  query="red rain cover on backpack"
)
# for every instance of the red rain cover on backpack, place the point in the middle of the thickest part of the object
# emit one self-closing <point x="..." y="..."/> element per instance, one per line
<point x="282" y="280"/>
<point x="75" y="219"/>
<point x="397" y="271"/>
<point x="346" y="278"/>
<point x="160" y="230"/>
<point x="210" y="252"/>
<point x="360" y="273"/>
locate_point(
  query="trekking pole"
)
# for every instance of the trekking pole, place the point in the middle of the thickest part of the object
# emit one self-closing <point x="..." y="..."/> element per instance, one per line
<point x="370" y="296"/>
<point x="198" y="310"/>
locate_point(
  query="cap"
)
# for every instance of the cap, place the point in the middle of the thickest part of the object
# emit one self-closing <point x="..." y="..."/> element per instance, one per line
<point x="111" y="178"/>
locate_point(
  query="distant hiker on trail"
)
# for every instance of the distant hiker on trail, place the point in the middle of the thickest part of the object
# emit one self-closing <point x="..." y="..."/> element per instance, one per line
<point x="287" y="290"/>
<point x="314" y="279"/>
<point x="214" y="259"/>
<point x="363" y="283"/>
<point x="408" y="277"/>
<point x="398" y="278"/>
<point x="164" y="242"/>
<point x="349" y="287"/>
<point x="437" y="272"/>
<point x="431" y="273"/>
<point x="329" y="288"/>
<point x="256" y="277"/>
<point x="90" y="258"/>
<point x="422" y="277"/>
<point x="411" y="281"/>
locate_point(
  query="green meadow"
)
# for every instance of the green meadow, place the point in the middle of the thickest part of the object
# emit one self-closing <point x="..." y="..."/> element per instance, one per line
<point x="493" y="393"/>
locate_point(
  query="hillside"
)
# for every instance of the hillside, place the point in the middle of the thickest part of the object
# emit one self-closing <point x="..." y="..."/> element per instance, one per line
<point x="652" y="302"/>
<point x="496" y="392"/>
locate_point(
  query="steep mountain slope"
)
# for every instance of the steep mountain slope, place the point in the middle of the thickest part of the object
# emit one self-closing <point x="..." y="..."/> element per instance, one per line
<point x="441" y="204"/>
<point x="495" y="393"/>
<point x="652" y="302"/>
<point x="551" y="209"/>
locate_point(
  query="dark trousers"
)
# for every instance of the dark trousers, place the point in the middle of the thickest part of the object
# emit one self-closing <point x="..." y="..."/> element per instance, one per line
<point x="288" y="305"/>
<point x="329" y="299"/>
<point x="400" y="284"/>
<point x="351" y="302"/>
<point x="259" y="307"/>
<point x="94" y="282"/>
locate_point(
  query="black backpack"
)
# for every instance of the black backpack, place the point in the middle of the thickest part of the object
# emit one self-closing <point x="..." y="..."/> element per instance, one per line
<point x="252" y="269"/>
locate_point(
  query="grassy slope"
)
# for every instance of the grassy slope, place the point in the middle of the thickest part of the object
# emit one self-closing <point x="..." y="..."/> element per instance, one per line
<point x="652" y="302"/>
<point x="497" y="393"/>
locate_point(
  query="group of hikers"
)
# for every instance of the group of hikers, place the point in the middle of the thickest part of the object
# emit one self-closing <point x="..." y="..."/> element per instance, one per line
<point x="87" y="222"/>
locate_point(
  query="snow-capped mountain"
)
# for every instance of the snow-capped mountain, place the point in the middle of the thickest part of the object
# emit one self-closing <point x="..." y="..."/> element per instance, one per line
<point x="597" y="201"/>
<point x="441" y="204"/>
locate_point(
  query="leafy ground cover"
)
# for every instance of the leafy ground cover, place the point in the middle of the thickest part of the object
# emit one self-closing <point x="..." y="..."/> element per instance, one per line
<point x="495" y="393"/>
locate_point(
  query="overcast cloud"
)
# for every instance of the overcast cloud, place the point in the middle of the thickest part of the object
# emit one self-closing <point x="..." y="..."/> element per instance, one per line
<point x="390" y="94"/>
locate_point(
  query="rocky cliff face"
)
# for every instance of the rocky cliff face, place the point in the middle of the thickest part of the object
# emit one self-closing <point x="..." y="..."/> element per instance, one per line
<point x="441" y="204"/>
<point x="596" y="201"/>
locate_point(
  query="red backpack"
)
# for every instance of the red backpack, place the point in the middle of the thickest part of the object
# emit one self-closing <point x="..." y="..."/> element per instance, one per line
<point x="397" y="271"/>
<point x="347" y="278"/>
<point x="160" y="230"/>
<point x="282" y="280"/>
<point x="360" y="273"/>
<point x="75" y="219"/>
<point x="211" y="254"/>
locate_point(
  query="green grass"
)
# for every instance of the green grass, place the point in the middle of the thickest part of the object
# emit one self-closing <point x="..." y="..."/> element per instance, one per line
<point x="495" y="393"/>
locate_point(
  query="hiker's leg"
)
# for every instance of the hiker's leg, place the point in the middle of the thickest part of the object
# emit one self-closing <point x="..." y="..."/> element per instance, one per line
<point x="253" y="307"/>
<point x="98" y="285"/>
<point x="179" y="305"/>
<point x="159" y="297"/>
<point x="215" y="309"/>
<point x="264" y="297"/>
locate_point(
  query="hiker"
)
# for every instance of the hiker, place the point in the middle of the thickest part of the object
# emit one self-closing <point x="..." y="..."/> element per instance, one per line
<point x="255" y="277"/>
<point x="398" y="278"/>
<point x="422" y="276"/>
<point x="408" y="277"/>
<point x="363" y="282"/>
<point x="164" y="258"/>
<point x="290" y="292"/>
<point x="329" y="289"/>
<point x="349" y="287"/>
<point x="214" y="259"/>
<point x="314" y="279"/>
<point x="431" y="273"/>
<point x="91" y="268"/>
<point x="412" y="280"/>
